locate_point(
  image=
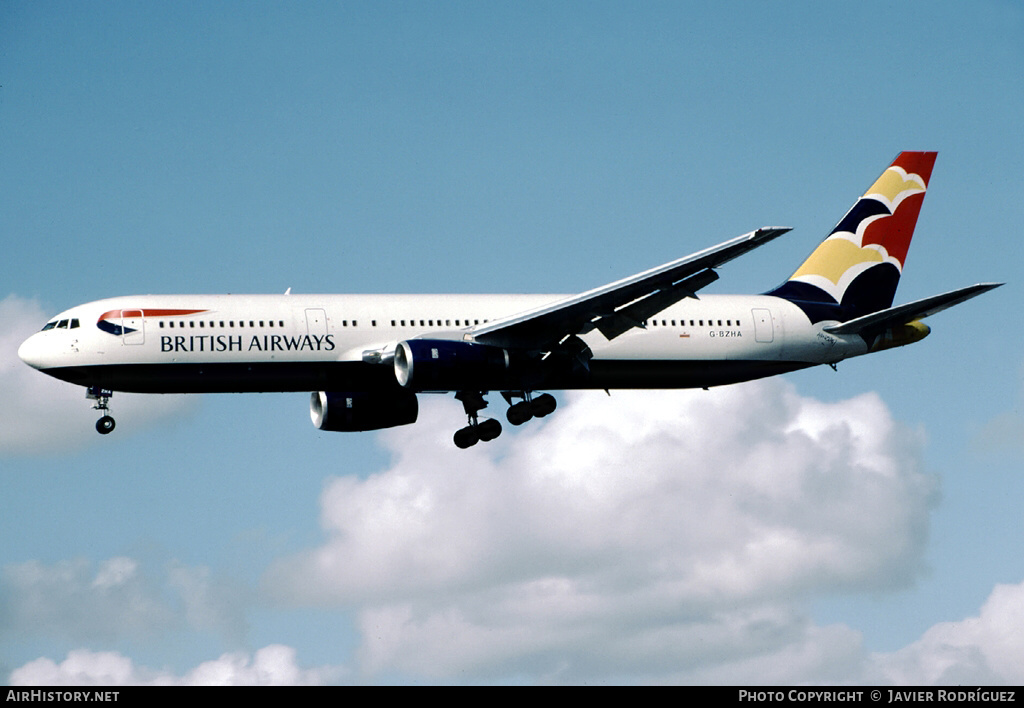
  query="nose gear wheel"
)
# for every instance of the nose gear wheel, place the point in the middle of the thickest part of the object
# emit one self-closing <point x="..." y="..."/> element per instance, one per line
<point x="105" y="425"/>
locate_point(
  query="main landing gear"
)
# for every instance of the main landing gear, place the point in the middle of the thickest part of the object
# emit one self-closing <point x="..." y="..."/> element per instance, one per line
<point x="518" y="413"/>
<point x="105" y="424"/>
<point x="473" y="402"/>
<point x="529" y="407"/>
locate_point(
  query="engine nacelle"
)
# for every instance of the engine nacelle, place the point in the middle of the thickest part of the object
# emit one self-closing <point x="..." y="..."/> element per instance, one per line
<point x="343" y="411"/>
<point x="445" y="365"/>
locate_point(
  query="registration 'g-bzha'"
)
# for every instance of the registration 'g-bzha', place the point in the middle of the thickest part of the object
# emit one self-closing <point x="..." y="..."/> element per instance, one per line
<point x="367" y="357"/>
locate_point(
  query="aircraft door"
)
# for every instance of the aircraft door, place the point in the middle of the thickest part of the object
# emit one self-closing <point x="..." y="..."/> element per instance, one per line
<point x="764" y="330"/>
<point x="133" y="327"/>
<point x="316" y="321"/>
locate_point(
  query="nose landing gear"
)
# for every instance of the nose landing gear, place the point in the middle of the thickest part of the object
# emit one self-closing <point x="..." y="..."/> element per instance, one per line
<point x="105" y="424"/>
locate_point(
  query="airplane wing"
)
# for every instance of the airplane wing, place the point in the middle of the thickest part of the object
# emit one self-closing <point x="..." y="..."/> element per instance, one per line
<point x="911" y="311"/>
<point x="618" y="307"/>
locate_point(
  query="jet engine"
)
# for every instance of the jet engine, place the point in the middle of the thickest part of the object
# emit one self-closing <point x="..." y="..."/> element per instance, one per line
<point x="444" y="365"/>
<point x="343" y="411"/>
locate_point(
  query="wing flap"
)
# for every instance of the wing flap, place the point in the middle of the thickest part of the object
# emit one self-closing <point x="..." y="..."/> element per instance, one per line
<point x="637" y="312"/>
<point x="544" y="327"/>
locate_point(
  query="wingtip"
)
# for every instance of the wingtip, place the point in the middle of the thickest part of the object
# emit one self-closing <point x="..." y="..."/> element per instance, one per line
<point x="770" y="232"/>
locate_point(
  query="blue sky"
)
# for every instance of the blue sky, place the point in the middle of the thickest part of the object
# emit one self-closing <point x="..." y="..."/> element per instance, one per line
<point x="874" y="522"/>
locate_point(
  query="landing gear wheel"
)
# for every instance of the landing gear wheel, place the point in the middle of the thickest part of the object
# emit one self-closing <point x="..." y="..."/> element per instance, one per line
<point x="102" y="397"/>
<point x="105" y="425"/>
<point x="488" y="430"/>
<point x="543" y="405"/>
<point x="473" y="402"/>
<point x="519" y="413"/>
<point x="466" y="437"/>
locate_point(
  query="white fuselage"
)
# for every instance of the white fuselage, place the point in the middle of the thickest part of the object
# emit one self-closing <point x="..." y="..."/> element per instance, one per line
<point x="211" y="343"/>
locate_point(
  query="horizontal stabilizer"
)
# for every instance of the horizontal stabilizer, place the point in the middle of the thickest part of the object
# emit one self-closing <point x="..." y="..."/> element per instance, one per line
<point x="902" y="314"/>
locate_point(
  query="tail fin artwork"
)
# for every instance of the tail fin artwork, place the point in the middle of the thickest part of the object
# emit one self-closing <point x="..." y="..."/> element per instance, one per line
<point x="855" y="270"/>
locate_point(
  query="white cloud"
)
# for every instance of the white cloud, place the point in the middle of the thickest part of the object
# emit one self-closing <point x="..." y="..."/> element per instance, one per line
<point x="41" y="414"/>
<point x="1004" y="432"/>
<point x="68" y="599"/>
<point x="81" y="668"/>
<point x="71" y="600"/>
<point x="764" y="646"/>
<point x="208" y="603"/>
<point x="987" y="649"/>
<point x="665" y="532"/>
<point x="649" y="537"/>
<point x="272" y="665"/>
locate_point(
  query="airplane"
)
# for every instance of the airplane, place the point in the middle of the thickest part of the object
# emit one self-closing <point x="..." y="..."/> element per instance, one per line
<point x="367" y="357"/>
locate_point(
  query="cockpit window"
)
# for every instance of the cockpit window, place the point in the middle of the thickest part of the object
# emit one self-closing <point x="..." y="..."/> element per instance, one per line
<point x="74" y="323"/>
<point x="63" y="324"/>
<point x="50" y="325"/>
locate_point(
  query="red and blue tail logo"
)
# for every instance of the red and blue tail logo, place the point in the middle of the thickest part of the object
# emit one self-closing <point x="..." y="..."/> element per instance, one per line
<point x="856" y="269"/>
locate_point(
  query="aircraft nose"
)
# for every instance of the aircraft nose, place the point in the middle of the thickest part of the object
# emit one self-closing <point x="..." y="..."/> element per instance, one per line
<point x="31" y="352"/>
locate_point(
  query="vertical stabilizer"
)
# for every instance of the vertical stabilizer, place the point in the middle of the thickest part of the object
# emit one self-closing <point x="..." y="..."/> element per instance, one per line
<point x="856" y="269"/>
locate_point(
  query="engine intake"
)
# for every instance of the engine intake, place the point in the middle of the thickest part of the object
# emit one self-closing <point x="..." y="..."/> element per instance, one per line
<point x="444" y="365"/>
<point x="347" y="412"/>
